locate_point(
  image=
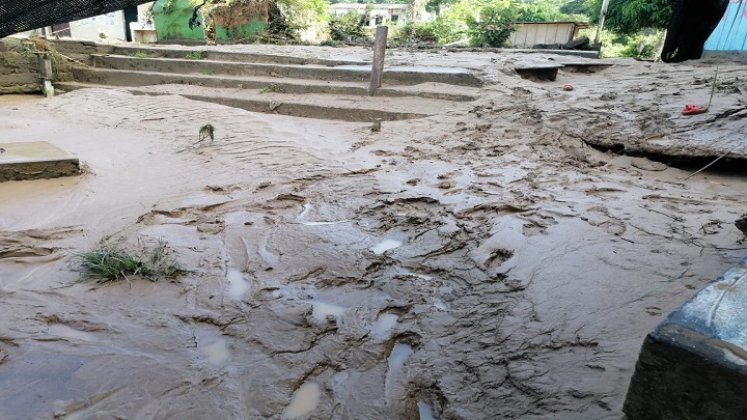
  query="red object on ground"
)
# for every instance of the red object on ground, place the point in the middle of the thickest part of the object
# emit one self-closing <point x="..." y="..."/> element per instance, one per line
<point x="691" y="109"/>
<point x="567" y="87"/>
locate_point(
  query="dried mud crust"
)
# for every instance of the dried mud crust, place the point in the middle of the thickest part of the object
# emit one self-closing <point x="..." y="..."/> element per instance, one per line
<point x="522" y="268"/>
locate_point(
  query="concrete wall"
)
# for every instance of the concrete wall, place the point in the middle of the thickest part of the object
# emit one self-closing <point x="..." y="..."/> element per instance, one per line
<point x="731" y="32"/>
<point x="19" y="72"/>
<point x="111" y="24"/>
<point x="388" y="13"/>
<point x="530" y="34"/>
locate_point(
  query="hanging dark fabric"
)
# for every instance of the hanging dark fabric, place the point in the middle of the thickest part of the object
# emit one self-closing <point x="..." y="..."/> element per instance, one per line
<point x="692" y="23"/>
<point x="24" y="15"/>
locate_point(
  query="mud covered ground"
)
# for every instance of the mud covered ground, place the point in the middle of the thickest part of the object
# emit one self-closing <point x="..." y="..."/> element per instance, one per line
<point x="482" y="263"/>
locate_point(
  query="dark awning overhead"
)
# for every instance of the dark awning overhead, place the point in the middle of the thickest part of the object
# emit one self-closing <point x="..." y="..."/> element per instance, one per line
<point x="24" y="15"/>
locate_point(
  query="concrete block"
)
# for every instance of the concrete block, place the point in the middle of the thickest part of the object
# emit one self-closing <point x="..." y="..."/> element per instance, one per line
<point x="694" y="365"/>
<point x="538" y="72"/>
<point x="35" y="160"/>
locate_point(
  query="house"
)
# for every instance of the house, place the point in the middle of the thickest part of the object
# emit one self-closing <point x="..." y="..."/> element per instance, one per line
<point x="529" y="34"/>
<point x="394" y="14"/>
<point x="114" y="26"/>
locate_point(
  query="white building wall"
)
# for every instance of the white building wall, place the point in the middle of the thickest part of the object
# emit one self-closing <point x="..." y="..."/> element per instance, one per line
<point x="531" y="34"/>
<point x="111" y="24"/>
<point x="385" y="11"/>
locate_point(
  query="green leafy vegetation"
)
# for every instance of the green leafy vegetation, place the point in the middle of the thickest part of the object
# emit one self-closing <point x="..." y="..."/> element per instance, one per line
<point x="349" y="28"/>
<point x="207" y="131"/>
<point x="197" y="55"/>
<point x="142" y="54"/>
<point x="633" y="27"/>
<point x="437" y="32"/>
<point x="109" y="263"/>
<point x="494" y="26"/>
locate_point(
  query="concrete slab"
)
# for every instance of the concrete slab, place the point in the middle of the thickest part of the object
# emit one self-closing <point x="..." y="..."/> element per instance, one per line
<point x="35" y="160"/>
<point x="538" y="71"/>
<point x="694" y="365"/>
<point x="585" y="66"/>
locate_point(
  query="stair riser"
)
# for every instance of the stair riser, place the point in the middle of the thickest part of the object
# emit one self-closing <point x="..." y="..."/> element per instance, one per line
<point x="266" y="70"/>
<point x="295" y="110"/>
<point x="229" y="56"/>
<point x="124" y="78"/>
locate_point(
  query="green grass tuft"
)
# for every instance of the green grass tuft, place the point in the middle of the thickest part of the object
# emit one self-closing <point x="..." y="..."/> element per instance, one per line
<point x="142" y="54"/>
<point x="197" y="55"/>
<point x="109" y="263"/>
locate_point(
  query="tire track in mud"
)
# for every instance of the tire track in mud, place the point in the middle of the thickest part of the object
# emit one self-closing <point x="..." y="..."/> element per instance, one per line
<point x="30" y="244"/>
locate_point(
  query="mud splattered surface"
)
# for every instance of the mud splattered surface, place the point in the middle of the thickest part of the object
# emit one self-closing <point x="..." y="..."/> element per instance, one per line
<point x="471" y="265"/>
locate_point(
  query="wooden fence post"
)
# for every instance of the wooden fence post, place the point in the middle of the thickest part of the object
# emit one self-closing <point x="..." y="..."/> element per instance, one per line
<point x="378" y="59"/>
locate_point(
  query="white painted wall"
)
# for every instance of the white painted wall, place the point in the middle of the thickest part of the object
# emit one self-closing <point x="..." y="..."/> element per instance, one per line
<point x="531" y="34"/>
<point x="111" y="24"/>
<point x="385" y="11"/>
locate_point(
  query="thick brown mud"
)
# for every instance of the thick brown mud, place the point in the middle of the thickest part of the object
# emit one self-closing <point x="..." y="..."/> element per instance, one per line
<point x="465" y="266"/>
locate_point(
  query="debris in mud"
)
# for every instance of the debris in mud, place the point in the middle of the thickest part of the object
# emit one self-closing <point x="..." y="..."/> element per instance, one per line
<point x="109" y="263"/>
<point x="207" y="131"/>
<point x="648" y="165"/>
<point x="741" y="224"/>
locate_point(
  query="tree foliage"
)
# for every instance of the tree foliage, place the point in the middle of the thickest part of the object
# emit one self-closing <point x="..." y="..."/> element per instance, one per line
<point x="631" y="16"/>
<point x="495" y="24"/>
<point x="546" y="11"/>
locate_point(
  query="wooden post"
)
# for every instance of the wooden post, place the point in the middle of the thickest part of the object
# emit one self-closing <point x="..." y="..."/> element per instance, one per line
<point x="378" y="59"/>
<point x="602" y="16"/>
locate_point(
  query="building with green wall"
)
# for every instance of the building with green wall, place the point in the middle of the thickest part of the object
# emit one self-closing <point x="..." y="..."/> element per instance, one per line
<point x="236" y="21"/>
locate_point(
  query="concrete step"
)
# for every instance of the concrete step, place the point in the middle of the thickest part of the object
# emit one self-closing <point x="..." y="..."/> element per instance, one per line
<point x="320" y="106"/>
<point x="239" y="57"/>
<point x="35" y="160"/>
<point x="694" y="364"/>
<point x="146" y="78"/>
<point x="399" y="75"/>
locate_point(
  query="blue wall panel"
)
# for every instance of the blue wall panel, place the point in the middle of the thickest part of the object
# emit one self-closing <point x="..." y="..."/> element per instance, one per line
<point x="731" y="33"/>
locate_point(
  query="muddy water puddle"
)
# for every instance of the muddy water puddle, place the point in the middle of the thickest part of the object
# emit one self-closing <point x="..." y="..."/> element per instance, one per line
<point x="382" y="329"/>
<point x="385" y="245"/>
<point x="401" y="352"/>
<point x="327" y="312"/>
<point x="304" y="402"/>
<point x="238" y="287"/>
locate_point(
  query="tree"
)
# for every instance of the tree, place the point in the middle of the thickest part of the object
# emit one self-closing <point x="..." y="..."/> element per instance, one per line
<point x="546" y="11"/>
<point x="631" y="16"/>
<point x="588" y="8"/>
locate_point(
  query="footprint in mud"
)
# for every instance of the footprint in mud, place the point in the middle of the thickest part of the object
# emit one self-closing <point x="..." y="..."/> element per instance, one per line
<point x="653" y="310"/>
<point x="489" y="210"/>
<point x="222" y="189"/>
<point x="30" y="243"/>
<point x="599" y="216"/>
<point x="531" y="229"/>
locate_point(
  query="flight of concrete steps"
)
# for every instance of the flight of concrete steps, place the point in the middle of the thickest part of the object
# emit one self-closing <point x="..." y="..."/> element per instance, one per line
<point x="304" y="87"/>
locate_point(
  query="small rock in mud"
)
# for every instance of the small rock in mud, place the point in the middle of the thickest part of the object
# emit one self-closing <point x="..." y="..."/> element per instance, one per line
<point x="648" y="165"/>
<point x="483" y="127"/>
<point x="413" y="182"/>
<point x="445" y="185"/>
